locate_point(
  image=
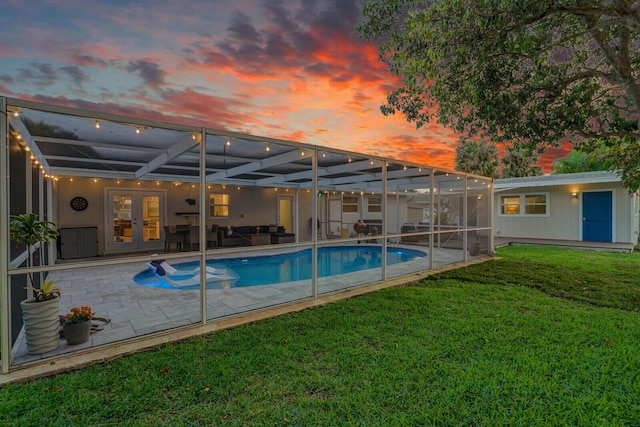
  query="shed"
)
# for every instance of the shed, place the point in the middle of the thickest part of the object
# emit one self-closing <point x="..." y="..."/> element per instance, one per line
<point x="588" y="206"/>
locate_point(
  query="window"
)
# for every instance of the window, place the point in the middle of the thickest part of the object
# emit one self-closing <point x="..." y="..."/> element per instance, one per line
<point x="535" y="204"/>
<point x="374" y="204"/>
<point x="524" y="205"/>
<point x="349" y="204"/>
<point x="218" y="205"/>
<point x="510" y="205"/>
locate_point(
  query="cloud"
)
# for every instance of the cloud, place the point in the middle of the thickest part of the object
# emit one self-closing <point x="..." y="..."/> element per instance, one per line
<point x="89" y="60"/>
<point x="39" y="74"/>
<point x="148" y="71"/>
<point x="76" y="74"/>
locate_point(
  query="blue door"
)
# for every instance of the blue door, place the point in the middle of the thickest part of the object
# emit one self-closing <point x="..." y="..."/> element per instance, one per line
<point x="597" y="216"/>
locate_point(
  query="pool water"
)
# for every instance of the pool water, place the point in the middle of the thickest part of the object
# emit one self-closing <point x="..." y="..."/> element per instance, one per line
<point x="263" y="270"/>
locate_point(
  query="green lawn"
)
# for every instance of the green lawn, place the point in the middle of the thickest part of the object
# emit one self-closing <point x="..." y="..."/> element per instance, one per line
<point x="541" y="336"/>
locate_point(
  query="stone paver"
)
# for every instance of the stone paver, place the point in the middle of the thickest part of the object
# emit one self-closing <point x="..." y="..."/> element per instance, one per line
<point x="136" y="310"/>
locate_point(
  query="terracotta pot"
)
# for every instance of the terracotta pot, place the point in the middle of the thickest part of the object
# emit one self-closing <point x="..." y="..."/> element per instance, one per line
<point x="360" y="227"/>
<point x="41" y="324"/>
<point x="77" y="333"/>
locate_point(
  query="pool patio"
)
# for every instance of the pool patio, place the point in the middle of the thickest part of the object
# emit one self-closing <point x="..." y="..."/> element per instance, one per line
<point x="135" y="310"/>
<point x="117" y="187"/>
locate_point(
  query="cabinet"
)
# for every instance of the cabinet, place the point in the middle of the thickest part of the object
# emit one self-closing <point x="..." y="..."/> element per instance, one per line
<point x="78" y="242"/>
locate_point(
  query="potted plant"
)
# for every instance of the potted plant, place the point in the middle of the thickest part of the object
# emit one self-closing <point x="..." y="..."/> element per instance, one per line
<point x="77" y="325"/>
<point x="40" y="313"/>
<point x="474" y="249"/>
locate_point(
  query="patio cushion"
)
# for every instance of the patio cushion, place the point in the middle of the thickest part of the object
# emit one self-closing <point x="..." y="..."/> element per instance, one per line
<point x="245" y="229"/>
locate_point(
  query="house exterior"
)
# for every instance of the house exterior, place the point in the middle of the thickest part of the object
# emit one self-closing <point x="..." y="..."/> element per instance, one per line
<point x="589" y="207"/>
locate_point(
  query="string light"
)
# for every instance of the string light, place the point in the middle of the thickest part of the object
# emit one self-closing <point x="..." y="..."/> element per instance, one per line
<point x="97" y="124"/>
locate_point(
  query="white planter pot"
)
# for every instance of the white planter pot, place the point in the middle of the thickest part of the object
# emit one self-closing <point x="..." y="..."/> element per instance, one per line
<point x="41" y="324"/>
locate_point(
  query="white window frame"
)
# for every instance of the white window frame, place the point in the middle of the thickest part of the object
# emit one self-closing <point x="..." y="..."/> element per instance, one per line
<point x="345" y="204"/>
<point x="212" y="204"/>
<point x="523" y="207"/>
<point x="377" y="206"/>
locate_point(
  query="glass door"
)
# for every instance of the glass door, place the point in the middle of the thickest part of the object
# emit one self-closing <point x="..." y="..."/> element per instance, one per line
<point x="285" y="213"/>
<point x="134" y="220"/>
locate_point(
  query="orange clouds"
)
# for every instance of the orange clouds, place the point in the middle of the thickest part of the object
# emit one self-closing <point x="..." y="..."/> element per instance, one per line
<point x="287" y="69"/>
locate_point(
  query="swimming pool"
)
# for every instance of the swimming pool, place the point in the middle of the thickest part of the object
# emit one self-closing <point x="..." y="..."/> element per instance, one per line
<point x="269" y="269"/>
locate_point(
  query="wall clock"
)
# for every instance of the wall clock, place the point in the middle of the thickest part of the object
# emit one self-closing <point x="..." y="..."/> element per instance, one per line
<point x="79" y="203"/>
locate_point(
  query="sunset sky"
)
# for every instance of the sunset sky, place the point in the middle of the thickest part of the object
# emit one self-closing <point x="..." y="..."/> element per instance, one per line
<point x="290" y="69"/>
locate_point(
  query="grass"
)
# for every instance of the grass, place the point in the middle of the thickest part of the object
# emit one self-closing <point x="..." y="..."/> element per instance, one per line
<point x="537" y="337"/>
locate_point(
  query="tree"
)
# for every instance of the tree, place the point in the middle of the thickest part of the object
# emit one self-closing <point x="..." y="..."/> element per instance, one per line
<point x="479" y="158"/>
<point x="622" y="155"/>
<point x="519" y="161"/>
<point x="528" y="71"/>
<point x="579" y="161"/>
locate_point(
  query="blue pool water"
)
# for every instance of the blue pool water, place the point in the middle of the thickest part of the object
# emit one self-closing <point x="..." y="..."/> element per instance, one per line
<point x="262" y="270"/>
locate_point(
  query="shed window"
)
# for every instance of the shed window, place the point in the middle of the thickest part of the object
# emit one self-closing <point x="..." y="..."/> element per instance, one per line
<point x="535" y="204"/>
<point x="525" y="205"/>
<point x="510" y="205"/>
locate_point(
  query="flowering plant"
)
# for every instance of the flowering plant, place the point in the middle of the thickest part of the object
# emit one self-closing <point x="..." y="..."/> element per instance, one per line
<point x="79" y="315"/>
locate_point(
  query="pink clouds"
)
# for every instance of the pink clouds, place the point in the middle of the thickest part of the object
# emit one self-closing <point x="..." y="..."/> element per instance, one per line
<point x="289" y="69"/>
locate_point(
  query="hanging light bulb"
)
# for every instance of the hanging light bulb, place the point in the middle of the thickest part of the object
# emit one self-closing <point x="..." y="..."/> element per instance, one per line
<point x="97" y="124"/>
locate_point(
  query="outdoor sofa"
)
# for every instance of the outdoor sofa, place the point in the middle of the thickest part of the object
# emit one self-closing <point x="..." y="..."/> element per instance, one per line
<point x="242" y="235"/>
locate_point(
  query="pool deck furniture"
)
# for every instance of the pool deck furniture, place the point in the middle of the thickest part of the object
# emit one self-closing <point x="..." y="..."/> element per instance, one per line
<point x="278" y="238"/>
<point x="172" y="236"/>
<point x="249" y="235"/>
<point x="260" y="239"/>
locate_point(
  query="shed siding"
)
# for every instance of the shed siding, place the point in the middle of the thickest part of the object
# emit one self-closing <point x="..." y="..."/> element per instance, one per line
<point x="564" y="221"/>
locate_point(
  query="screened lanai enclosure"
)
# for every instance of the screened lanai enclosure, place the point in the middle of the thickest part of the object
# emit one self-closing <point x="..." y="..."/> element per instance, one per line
<point x="166" y="227"/>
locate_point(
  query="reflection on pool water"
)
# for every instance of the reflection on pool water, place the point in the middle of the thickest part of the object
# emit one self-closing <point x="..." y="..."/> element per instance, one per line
<point x="269" y="269"/>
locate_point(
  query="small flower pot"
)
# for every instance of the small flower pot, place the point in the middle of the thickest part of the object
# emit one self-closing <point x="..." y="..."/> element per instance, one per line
<point x="77" y="333"/>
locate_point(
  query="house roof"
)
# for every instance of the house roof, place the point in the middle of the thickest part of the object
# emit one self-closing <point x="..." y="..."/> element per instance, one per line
<point x="76" y="142"/>
<point x="551" y="180"/>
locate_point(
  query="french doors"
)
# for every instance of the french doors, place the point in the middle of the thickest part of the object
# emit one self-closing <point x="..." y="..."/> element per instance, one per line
<point x="134" y="220"/>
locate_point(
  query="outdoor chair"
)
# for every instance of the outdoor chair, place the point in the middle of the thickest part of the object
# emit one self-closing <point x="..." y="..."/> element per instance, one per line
<point x="180" y="278"/>
<point x="212" y="237"/>
<point x="172" y="236"/>
<point x="192" y="238"/>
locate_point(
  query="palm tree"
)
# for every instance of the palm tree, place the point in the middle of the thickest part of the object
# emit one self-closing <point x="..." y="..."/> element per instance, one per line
<point x="478" y="157"/>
